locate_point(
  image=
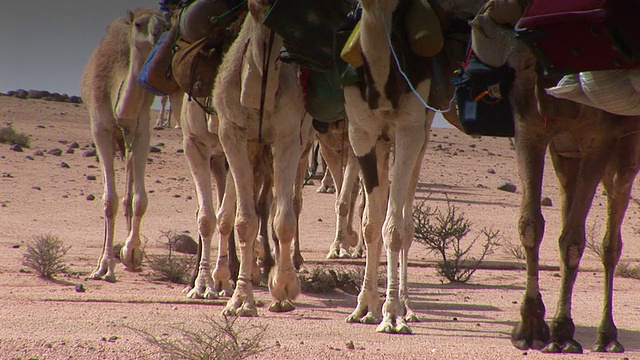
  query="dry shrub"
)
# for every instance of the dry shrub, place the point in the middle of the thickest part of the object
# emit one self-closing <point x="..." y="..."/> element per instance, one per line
<point x="516" y="250"/>
<point x="592" y="244"/>
<point x="626" y="270"/>
<point x="320" y="280"/>
<point x="224" y="340"/>
<point x="44" y="255"/>
<point x="9" y="135"/>
<point x="173" y="267"/>
<point x="444" y="234"/>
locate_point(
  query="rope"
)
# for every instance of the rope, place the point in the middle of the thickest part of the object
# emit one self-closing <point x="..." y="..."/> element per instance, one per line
<point x="115" y="115"/>
<point x="404" y="75"/>
<point x="265" y="75"/>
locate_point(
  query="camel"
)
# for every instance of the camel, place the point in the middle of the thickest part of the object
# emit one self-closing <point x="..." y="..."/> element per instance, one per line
<point x="342" y="164"/>
<point x="119" y="112"/>
<point x="586" y="145"/>
<point x="383" y="112"/>
<point x="174" y="111"/>
<point x="251" y="128"/>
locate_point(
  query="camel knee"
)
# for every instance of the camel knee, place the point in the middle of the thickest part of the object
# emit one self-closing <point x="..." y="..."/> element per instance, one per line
<point x="206" y="223"/>
<point x="393" y="238"/>
<point x="110" y="208"/>
<point x="531" y="231"/>
<point x="342" y="208"/>
<point x="246" y="228"/>
<point x="571" y="254"/>
<point x="140" y="203"/>
<point x="285" y="225"/>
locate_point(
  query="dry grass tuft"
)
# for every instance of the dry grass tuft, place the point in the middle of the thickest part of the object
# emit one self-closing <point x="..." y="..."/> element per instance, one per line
<point x="44" y="255"/>
<point x="224" y="340"/>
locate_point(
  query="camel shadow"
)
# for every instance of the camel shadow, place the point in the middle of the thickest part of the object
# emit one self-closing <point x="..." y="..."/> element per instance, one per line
<point x="445" y="190"/>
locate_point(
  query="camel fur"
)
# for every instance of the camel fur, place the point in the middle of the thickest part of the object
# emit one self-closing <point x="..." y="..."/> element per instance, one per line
<point x="283" y="130"/>
<point x="119" y="112"/>
<point x="586" y="145"/>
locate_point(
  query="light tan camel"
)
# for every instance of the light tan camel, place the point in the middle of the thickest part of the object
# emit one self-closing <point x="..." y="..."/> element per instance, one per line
<point x="585" y="144"/>
<point x="246" y="134"/>
<point x="120" y="122"/>
<point x="383" y="112"/>
<point x="173" y="112"/>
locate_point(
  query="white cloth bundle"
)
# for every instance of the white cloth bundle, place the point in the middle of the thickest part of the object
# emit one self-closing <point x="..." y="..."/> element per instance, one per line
<point x="614" y="91"/>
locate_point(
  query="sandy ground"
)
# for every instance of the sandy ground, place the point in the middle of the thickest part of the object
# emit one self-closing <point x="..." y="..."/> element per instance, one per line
<point x="49" y="320"/>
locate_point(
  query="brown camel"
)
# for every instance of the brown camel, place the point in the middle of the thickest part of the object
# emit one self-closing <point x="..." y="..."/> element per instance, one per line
<point x="120" y="122"/>
<point x="585" y="144"/>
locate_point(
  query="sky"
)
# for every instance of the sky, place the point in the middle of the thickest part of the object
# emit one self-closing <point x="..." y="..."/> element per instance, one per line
<point x="45" y="44"/>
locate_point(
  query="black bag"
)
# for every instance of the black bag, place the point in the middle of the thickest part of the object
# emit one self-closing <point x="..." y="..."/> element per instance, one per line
<point x="481" y="92"/>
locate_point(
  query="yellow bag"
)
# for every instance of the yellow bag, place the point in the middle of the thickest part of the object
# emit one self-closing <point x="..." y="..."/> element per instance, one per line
<point x="423" y="29"/>
<point x="352" y="51"/>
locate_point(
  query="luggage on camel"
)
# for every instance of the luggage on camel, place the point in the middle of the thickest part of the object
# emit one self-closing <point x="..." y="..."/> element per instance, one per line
<point x="570" y="36"/>
<point x="195" y="66"/>
<point x="481" y="93"/>
<point x="156" y="75"/>
<point x="308" y="28"/>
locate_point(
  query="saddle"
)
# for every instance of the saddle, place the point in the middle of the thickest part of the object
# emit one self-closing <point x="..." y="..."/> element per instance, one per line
<point x="569" y="36"/>
<point x="187" y="56"/>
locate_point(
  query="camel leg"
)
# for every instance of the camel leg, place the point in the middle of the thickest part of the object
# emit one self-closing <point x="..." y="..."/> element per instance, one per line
<point x="284" y="284"/>
<point x="176" y="101"/>
<point x="106" y="151"/>
<point x="355" y="214"/>
<point x="572" y="239"/>
<point x="345" y="236"/>
<point x="409" y="146"/>
<point x="161" y="122"/>
<point x="532" y="331"/>
<point x="298" y="260"/>
<point x="618" y="183"/>
<point x="265" y="201"/>
<point x="227" y="266"/>
<point x="199" y="156"/>
<point x="246" y="221"/>
<point x="130" y="253"/>
<point x="329" y="182"/>
<point x="409" y="226"/>
<point x="376" y="184"/>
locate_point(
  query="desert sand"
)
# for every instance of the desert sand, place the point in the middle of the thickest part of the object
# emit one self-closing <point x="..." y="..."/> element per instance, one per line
<point x="46" y="319"/>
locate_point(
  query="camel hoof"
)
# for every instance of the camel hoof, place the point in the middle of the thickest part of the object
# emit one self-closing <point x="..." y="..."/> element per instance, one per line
<point x="572" y="347"/>
<point x="132" y="259"/>
<point x="326" y="190"/>
<point x="281" y="306"/>
<point x="338" y="254"/>
<point x="354" y="319"/>
<point x="386" y="327"/>
<point x="243" y="311"/>
<point x="412" y="317"/>
<point x="403" y="329"/>
<point x="532" y="335"/>
<point x="569" y="347"/>
<point x="369" y="319"/>
<point x="552" y="348"/>
<point x="613" y="347"/>
<point x="106" y="277"/>
<point x="358" y="253"/>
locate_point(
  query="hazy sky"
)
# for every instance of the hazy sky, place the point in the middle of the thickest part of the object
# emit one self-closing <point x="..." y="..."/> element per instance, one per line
<point x="45" y="44"/>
